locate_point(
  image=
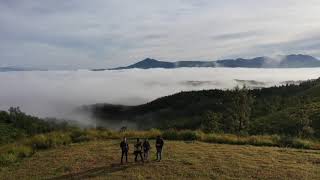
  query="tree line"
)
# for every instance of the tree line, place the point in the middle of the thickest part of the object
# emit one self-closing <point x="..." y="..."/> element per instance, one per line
<point x="290" y="109"/>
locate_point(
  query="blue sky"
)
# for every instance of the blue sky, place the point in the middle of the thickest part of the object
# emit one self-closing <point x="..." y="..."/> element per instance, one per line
<point x="73" y="34"/>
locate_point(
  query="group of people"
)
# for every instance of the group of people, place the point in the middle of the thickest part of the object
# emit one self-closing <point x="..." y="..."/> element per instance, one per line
<point x="141" y="147"/>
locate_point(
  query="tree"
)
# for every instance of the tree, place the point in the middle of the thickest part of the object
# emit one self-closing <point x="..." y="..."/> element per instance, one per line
<point x="211" y="122"/>
<point x="4" y="117"/>
<point x="14" y="113"/>
<point x="316" y="124"/>
<point x="304" y="123"/>
<point x="239" y="109"/>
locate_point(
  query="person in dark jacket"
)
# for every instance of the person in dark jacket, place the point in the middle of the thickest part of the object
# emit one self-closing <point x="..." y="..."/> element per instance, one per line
<point x="146" y="148"/>
<point x="159" y="146"/>
<point x="138" y="150"/>
<point x="124" y="149"/>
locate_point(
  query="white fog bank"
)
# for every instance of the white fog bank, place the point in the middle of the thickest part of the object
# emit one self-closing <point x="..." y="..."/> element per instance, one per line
<point x="55" y="93"/>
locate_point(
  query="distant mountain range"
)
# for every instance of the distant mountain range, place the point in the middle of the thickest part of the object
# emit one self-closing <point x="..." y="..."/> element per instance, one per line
<point x="288" y="61"/>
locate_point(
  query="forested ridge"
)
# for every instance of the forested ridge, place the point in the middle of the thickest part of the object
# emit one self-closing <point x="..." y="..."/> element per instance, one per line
<point x="287" y="110"/>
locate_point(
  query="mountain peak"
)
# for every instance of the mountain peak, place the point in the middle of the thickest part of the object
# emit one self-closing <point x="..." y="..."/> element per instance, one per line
<point x="151" y="63"/>
<point x="149" y="60"/>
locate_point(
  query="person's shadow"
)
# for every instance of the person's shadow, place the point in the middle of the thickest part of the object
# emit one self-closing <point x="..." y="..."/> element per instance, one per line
<point x="99" y="171"/>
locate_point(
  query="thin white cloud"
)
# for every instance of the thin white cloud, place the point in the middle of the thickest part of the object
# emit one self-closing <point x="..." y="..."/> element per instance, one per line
<point x="112" y="33"/>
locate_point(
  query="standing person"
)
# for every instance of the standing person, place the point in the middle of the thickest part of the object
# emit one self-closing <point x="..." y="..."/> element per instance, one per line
<point x="138" y="150"/>
<point x="124" y="149"/>
<point x="146" y="148"/>
<point x="159" y="146"/>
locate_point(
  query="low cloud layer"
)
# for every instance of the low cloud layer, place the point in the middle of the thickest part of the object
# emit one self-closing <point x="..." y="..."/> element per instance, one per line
<point x="57" y="93"/>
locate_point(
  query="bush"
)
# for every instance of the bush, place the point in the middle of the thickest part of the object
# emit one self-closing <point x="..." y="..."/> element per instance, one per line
<point x="222" y="138"/>
<point x="131" y="134"/>
<point x="261" y="141"/>
<point x="14" y="153"/>
<point x="6" y="159"/>
<point x="285" y="141"/>
<point x="300" y="143"/>
<point x="201" y="136"/>
<point x="58" y="139"/>
<point x="170" y="134"/>
<point x="39" y="142"/>
<point x="21" y="151"/>
<point x="9" y="134"/>
<point x="99" y="134"/>
<point x="46" y="141"/>
<point x="79" y="136"/>
<point x="188" y="135"/>
<point x="153" y="133"/>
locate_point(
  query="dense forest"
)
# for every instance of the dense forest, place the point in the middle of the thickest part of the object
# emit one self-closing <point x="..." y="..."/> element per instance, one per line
<point x="292" y="110"/>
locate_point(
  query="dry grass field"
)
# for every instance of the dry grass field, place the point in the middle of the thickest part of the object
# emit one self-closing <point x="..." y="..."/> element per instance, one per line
<point x="182" y="160"/>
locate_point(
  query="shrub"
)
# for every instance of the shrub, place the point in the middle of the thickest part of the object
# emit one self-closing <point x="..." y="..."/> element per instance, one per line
<point x="58" y="139"/>
<point x="261" y="141"/>
<point x="79" y="136"/>
<point x="308" y="132"/>
<point x="130" y="133"/>
<point x="38" y="142"/>
<point x="46" y="141"/>
<point x="201" y="136"/>
<point x="300" y="143"/>
<point x="222" y="138"/>
<point x="285" y="141"/>
<point x="21" y="151"/>
<point x="170" y="134"/>
<point x="6" y="159"/>
<point x="99" y="134"/>
<point x="188" y="135"/>
<point x="153" y="133"/>
<point x="275" y="138"/>
<point x="8" y="133"/>
<point x="13" y="153"/>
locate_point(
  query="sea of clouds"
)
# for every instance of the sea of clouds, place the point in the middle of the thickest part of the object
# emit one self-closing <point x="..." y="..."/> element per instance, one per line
<point x="57" y="93"/>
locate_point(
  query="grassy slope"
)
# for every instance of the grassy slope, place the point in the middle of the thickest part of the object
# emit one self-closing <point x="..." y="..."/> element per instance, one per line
<point x="100" y="160"/>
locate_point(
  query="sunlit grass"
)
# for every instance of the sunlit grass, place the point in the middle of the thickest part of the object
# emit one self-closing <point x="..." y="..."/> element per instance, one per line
<point x="181" y="160"/>
<point x="15" y="152"/>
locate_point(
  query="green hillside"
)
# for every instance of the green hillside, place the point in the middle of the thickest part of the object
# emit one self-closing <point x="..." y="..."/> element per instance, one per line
<point x="288" y="110"/>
